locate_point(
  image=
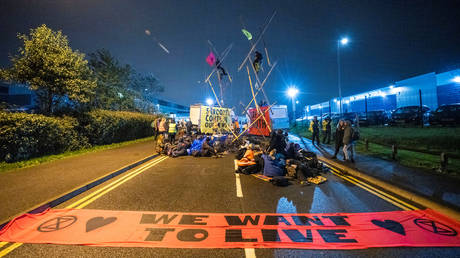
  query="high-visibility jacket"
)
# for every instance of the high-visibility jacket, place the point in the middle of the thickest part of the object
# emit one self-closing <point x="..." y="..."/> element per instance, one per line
<point x="247" y="160"/>
<point x="172" y="128"/>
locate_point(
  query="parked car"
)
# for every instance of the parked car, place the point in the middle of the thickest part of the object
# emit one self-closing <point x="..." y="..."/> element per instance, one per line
<point x="446" y="115"/>
<point x="377" y="117"/>
<point x="409" y="115"/>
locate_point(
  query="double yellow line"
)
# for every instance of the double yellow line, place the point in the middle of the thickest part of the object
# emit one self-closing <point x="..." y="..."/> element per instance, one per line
<point x="85" y="201"/>
<point x="383" y="195"/>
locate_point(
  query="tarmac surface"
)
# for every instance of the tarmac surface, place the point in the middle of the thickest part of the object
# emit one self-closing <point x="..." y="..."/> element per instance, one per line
<point x="189" y="184"/>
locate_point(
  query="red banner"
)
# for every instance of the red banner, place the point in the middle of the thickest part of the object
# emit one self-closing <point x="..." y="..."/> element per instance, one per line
<point x="259" y="127"/>
<point x="216" y="230"/>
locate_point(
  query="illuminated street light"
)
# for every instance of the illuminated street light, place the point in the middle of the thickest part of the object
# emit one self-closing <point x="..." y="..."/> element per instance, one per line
<point x="297" y="102"/>
<point x="209" y="101"/>
<point x="292" y="92"/>
<point x="344" y="41"/>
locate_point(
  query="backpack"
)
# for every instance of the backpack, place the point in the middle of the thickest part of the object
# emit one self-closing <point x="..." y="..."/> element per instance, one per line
<point x="355" y="135"/>
<point x="280" y="181"/>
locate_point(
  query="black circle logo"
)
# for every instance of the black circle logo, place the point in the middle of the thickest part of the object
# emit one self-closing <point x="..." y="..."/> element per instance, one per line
<point x="435" y="227"/>
<point x="57" y="223"/>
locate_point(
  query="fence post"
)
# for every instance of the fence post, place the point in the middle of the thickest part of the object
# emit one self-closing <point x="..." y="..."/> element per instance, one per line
<point x="394" y="151"/>
<point x="366" y="142"/>
<point x="444" y="161"/>
<point x="420" y="107"/>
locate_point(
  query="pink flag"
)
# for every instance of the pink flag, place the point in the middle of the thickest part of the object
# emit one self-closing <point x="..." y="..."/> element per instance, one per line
<point x="211" y="59"/>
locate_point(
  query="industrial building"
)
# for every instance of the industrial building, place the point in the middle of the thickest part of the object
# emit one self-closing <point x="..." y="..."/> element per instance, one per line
<point x="431" y="89"/>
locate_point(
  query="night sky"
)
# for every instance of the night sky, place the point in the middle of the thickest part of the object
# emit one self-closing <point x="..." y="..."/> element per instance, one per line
<point x="389" y="40"/>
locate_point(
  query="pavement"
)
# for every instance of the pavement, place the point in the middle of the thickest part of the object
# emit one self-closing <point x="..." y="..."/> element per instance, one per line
<point x="438" y="188"/>
<point x="24" y="189"/>
<point x="188" y="184"/>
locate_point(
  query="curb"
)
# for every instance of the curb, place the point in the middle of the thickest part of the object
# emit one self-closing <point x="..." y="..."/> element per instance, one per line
<point x="72" y="193"/>
<point x="416" y="198"/>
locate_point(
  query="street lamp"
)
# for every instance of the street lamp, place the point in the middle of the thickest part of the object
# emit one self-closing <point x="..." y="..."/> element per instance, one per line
<point x="209" y="102"/>
<point x="341" y="42"/>
<point x="292" y="92"/>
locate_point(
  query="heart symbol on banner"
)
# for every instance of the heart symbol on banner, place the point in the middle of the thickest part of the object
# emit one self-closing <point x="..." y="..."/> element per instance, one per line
<point x="98" y="222"/>
<point x="391" y="225"/>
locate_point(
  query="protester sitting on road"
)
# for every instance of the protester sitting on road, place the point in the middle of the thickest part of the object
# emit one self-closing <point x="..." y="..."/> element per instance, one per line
<point x="188" y="127"/>
<point x="348" y="142"/>
<point x="247" y="164"/>
<point x="291" y="151"/>
<point x="206" y="148"/>
<point x="180" y="149"/>
<point x="314" y="129"/>
<point x="327" y="130"/>
<point x="338" y="138"/>
<point x="274" y="165"/>
<point x="277" y="142"/>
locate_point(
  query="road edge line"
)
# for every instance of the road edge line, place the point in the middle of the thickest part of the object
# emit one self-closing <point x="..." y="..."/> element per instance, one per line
<point x="416" y="198"/>
<point x="54" y="201"/>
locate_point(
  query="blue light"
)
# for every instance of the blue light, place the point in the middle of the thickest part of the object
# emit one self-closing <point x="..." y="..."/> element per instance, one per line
<point x="292" y="92"/>
<point x="209" y="101"/>
<point x="456" y="79"/>
<point x="344" y="41"/>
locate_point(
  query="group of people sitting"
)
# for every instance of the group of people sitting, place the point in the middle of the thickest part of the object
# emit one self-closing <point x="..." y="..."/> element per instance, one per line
<point x="197" y="145"/>
<point x="281" y="158"/>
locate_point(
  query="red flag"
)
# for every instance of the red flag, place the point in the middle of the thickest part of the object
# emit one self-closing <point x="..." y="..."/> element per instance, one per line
<point x="211" y="59"/>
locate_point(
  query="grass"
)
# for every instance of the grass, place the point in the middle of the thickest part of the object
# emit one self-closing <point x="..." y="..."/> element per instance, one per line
<point x="6" y="167"/>
<point x="431" y="140"/>
<point x="418" y="148"/>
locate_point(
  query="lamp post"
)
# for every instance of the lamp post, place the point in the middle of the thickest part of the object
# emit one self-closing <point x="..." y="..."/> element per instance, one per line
<point x="292" y="92"/>
<point x="341" y="42"/>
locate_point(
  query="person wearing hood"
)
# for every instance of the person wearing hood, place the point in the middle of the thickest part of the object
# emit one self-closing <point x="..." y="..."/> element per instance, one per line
<point x="338" y="138"/>
<point x="348" y="142"/>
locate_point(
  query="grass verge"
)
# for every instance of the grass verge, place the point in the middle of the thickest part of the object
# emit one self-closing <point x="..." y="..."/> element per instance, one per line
<point x="411" y="139"/>
<point x="5" y="167"/>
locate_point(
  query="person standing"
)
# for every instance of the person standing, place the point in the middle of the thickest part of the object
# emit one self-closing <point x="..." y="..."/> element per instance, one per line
<point x="172" y="130"/>
<point x="348" y="142"/>
<point x="338" y="138"/>
<point x="162" y="126"/>
<point x="154" y="125"/>
<point x="327" y="130"/>
<point x="314" y="128"/>
<point x="236" y="127"/>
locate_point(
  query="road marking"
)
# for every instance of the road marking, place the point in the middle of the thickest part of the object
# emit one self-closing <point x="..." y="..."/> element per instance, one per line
<point x="106" y="190"/>
<point x="385" y="196"/>
<point x="239" y="192"/>
<point x="97" y="194"/>
<point x="116" y="181"/>
<point x="9" y="249"/>
<point x="76" y="188"/>
<point x="250" y="252"/>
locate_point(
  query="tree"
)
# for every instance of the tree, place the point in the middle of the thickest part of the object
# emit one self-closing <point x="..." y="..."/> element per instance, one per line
<point x="113" y="80"/>
<point x="48" y="65"/>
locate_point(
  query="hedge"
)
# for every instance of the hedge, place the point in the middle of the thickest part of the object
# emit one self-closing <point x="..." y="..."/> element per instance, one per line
<point x="24" y="136"/>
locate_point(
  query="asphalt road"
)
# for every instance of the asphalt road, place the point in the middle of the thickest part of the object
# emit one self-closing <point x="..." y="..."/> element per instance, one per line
<point x="207" y="185"/>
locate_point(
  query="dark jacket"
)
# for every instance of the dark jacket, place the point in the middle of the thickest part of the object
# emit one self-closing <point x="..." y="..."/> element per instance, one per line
<point x="338" y="136"/>
<point x="347" y="132"/>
